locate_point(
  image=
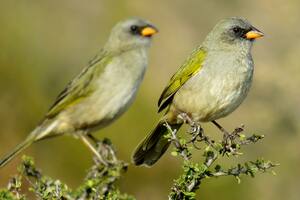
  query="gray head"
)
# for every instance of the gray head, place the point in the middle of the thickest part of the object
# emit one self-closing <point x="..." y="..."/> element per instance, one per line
<point x="232" y="33"/>
<point x="130" y="33"/>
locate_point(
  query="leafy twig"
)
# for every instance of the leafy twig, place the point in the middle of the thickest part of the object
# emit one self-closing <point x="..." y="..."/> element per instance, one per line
<point x="100" y="182"/>
<point x="186" y="185"/>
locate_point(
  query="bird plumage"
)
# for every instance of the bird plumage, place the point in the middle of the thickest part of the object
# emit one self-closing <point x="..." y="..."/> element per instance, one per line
<point x="211" y="83"/>
<point x="102" y="91"/>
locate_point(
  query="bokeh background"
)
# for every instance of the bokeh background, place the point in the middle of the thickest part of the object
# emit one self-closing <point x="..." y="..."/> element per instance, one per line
<point x="43" y="44"/>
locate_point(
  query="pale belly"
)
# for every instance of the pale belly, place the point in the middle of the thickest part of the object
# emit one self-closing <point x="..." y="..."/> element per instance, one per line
<point x="116" y="90"/>
<point x="211" y="95"/>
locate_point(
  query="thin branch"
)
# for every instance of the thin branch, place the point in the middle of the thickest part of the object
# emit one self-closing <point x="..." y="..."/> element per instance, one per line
<point x="194" y="172"/>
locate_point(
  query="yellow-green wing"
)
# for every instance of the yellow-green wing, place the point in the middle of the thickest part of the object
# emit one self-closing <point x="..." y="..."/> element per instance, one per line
<point x="80" y="87"/>
<point x="190" y="67"/>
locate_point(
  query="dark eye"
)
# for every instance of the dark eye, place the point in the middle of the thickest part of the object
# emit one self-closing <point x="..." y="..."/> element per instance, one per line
<point x="237" y="30"/>
<point x="134" y="28"/>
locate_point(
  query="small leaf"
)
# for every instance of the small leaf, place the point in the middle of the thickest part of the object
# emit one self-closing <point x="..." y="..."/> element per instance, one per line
<point x="174" y="153"/>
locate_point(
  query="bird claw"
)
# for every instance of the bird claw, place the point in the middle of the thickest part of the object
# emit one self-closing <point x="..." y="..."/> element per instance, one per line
<point x="195" y="129"/>
<point x="229" y="144"/>
<point x="107" y="151"/>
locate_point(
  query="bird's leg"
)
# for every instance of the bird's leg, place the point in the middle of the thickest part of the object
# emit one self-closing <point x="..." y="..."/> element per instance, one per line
<point x="93" y="138"/>
<point x="226" y="134"/>
<point x="195" y="129"/>
<point x="227" y="137"/>
<point x="104" y="146"/>
<point x="85" y="140"/>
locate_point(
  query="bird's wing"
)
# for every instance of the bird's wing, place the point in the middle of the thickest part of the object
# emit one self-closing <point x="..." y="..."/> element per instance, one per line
<point x="190" y="67"/>
<point x="79" y="88"/>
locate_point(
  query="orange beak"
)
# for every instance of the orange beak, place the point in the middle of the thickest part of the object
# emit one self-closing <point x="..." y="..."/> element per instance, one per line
<point x="149" y="31"/>
<point x="253" y="34"/>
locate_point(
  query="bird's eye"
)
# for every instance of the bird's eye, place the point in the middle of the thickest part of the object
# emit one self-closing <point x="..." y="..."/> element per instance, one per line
<point x="237" y="30"/>
<point x="134" y="29"/>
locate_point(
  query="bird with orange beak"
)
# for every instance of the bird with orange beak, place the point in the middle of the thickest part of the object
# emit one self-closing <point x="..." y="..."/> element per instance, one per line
<point x="211" y="84"/>
<point x="101" y="92"/>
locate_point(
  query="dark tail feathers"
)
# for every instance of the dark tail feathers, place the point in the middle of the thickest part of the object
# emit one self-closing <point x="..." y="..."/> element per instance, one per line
<point x="153" y="146"/>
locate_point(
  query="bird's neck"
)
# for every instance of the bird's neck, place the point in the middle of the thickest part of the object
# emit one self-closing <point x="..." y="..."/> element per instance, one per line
<point x="117" y="48"/>
<point x="243" y="49"/>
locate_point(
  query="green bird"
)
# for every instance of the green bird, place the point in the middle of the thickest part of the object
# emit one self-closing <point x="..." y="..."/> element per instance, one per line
<point x="102" y="91"/>
<point x="211" y="83"/>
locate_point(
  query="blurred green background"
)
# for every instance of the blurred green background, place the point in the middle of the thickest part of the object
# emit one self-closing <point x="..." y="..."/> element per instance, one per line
<point x="43" y="44"/>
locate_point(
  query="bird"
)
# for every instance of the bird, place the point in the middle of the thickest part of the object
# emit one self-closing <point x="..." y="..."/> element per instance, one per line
<point x="103" y="90"/>
<point x="211" y="83"/>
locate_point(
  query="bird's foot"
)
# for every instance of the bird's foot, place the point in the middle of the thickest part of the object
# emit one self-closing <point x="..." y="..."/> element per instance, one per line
<point x="229" y="141"/>
<point x="197" y="133"/>
<point x="102" y="149"/>
<point x="185" y="118"/>
<point x="106" y="149"/>
<point x="195" y="127"/>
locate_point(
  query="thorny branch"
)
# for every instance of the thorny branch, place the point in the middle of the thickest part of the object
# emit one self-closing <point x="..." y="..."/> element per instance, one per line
<point x="186" y="185"/>
<point x="100" y="182"/>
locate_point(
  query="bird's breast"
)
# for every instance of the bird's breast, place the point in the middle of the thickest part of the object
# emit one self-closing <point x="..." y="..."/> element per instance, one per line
<point x="217" y="89"/>
<point x="114" y="91"/>
<point x="120" y="83"/>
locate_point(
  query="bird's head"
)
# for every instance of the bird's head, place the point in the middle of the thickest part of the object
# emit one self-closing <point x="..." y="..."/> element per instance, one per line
<point x="234" y="32"/>
<point x="131" y="33"/>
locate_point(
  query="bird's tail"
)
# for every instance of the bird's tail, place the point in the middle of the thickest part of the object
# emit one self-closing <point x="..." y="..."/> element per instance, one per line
<point x="16" y="151"/>
<point x="39" y="133"/>
<point x="154" y="145"/>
